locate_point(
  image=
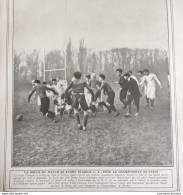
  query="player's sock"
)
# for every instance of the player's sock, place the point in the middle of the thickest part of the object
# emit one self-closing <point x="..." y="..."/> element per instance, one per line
<point x="85" y="120"/>
<point x="77" y="118"/>
<point x="147" y="100"/>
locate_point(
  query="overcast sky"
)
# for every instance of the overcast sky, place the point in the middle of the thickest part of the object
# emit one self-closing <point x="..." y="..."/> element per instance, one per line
<point x="104" y="24"/>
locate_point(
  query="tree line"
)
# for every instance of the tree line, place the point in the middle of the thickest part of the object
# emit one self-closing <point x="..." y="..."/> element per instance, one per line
<point x="31" y="66"/>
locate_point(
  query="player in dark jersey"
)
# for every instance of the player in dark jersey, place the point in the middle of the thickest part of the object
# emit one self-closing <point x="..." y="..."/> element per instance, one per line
<point x="45" y="102"/>
<point x="78" y="86"/>
<point x="107" y="90"/>
<point x="132" y="94"/>
<point x="123" y="87"/>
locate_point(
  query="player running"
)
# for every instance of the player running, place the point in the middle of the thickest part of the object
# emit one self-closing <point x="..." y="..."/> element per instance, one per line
<point x="35" y="95"/>
<point x="107" y="90"/>
<point x="151" y="86"/>
<point x="123" y="87"/>
<point x="45" y="101"/>
<point x="143" y="85"/>
<point x="133" y="93"/>
<point x="78" y="86"/>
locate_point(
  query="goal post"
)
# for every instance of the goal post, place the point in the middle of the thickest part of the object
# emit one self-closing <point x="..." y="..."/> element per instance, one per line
<point x="54" y="70"/>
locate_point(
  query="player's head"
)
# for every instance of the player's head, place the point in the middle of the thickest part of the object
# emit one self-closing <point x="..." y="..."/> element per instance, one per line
<point x="146" y="72"/>
<point x="119" y="71"/>
<point x="101" y="77"/>
<point x="140" y="73"/>
<point x="77" y="75"/>
<point x="44" y="83"/>
<point x="130" y="72"/>
<point x="93" y="76"/>
<point x="87" y="77"/>
<point x="57" y="78"/>
<point x="37" y="82"/>
<point x="54" y="81"/>
<point x="126" y="76"/>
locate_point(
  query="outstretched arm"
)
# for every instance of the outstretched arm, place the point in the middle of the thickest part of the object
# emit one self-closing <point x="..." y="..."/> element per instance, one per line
<point x="67" y="89"/>
<point x="157" y="80"/>
<point x="50" y="89"/>
<point x="30" y="94"/>
<point x="142" y="82"/>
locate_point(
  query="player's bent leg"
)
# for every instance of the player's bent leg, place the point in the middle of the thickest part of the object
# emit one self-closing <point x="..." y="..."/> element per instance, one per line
<point x="114" y="109"/>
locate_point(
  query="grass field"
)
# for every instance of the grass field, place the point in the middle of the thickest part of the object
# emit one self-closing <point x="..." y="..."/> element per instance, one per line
<point x="109" y="141"/>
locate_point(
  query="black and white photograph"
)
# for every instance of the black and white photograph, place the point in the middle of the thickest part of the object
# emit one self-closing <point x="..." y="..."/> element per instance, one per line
<point x="91" y="84"/>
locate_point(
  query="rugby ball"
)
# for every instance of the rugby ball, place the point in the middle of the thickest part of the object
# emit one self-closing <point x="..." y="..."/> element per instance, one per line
<point x="19" y="117"/>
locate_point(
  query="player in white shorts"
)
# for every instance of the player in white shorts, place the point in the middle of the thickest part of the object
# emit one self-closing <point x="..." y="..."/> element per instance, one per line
<point x="88" y="95"/>
<point x="61" y="84"/>
<point x="57" y="87"/>
<point x="150" y="79"/>
<point x="143" y="85"/>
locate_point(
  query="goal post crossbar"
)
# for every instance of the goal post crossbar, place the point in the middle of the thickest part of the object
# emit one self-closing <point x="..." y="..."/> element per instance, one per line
<point x="54" y="70"/>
